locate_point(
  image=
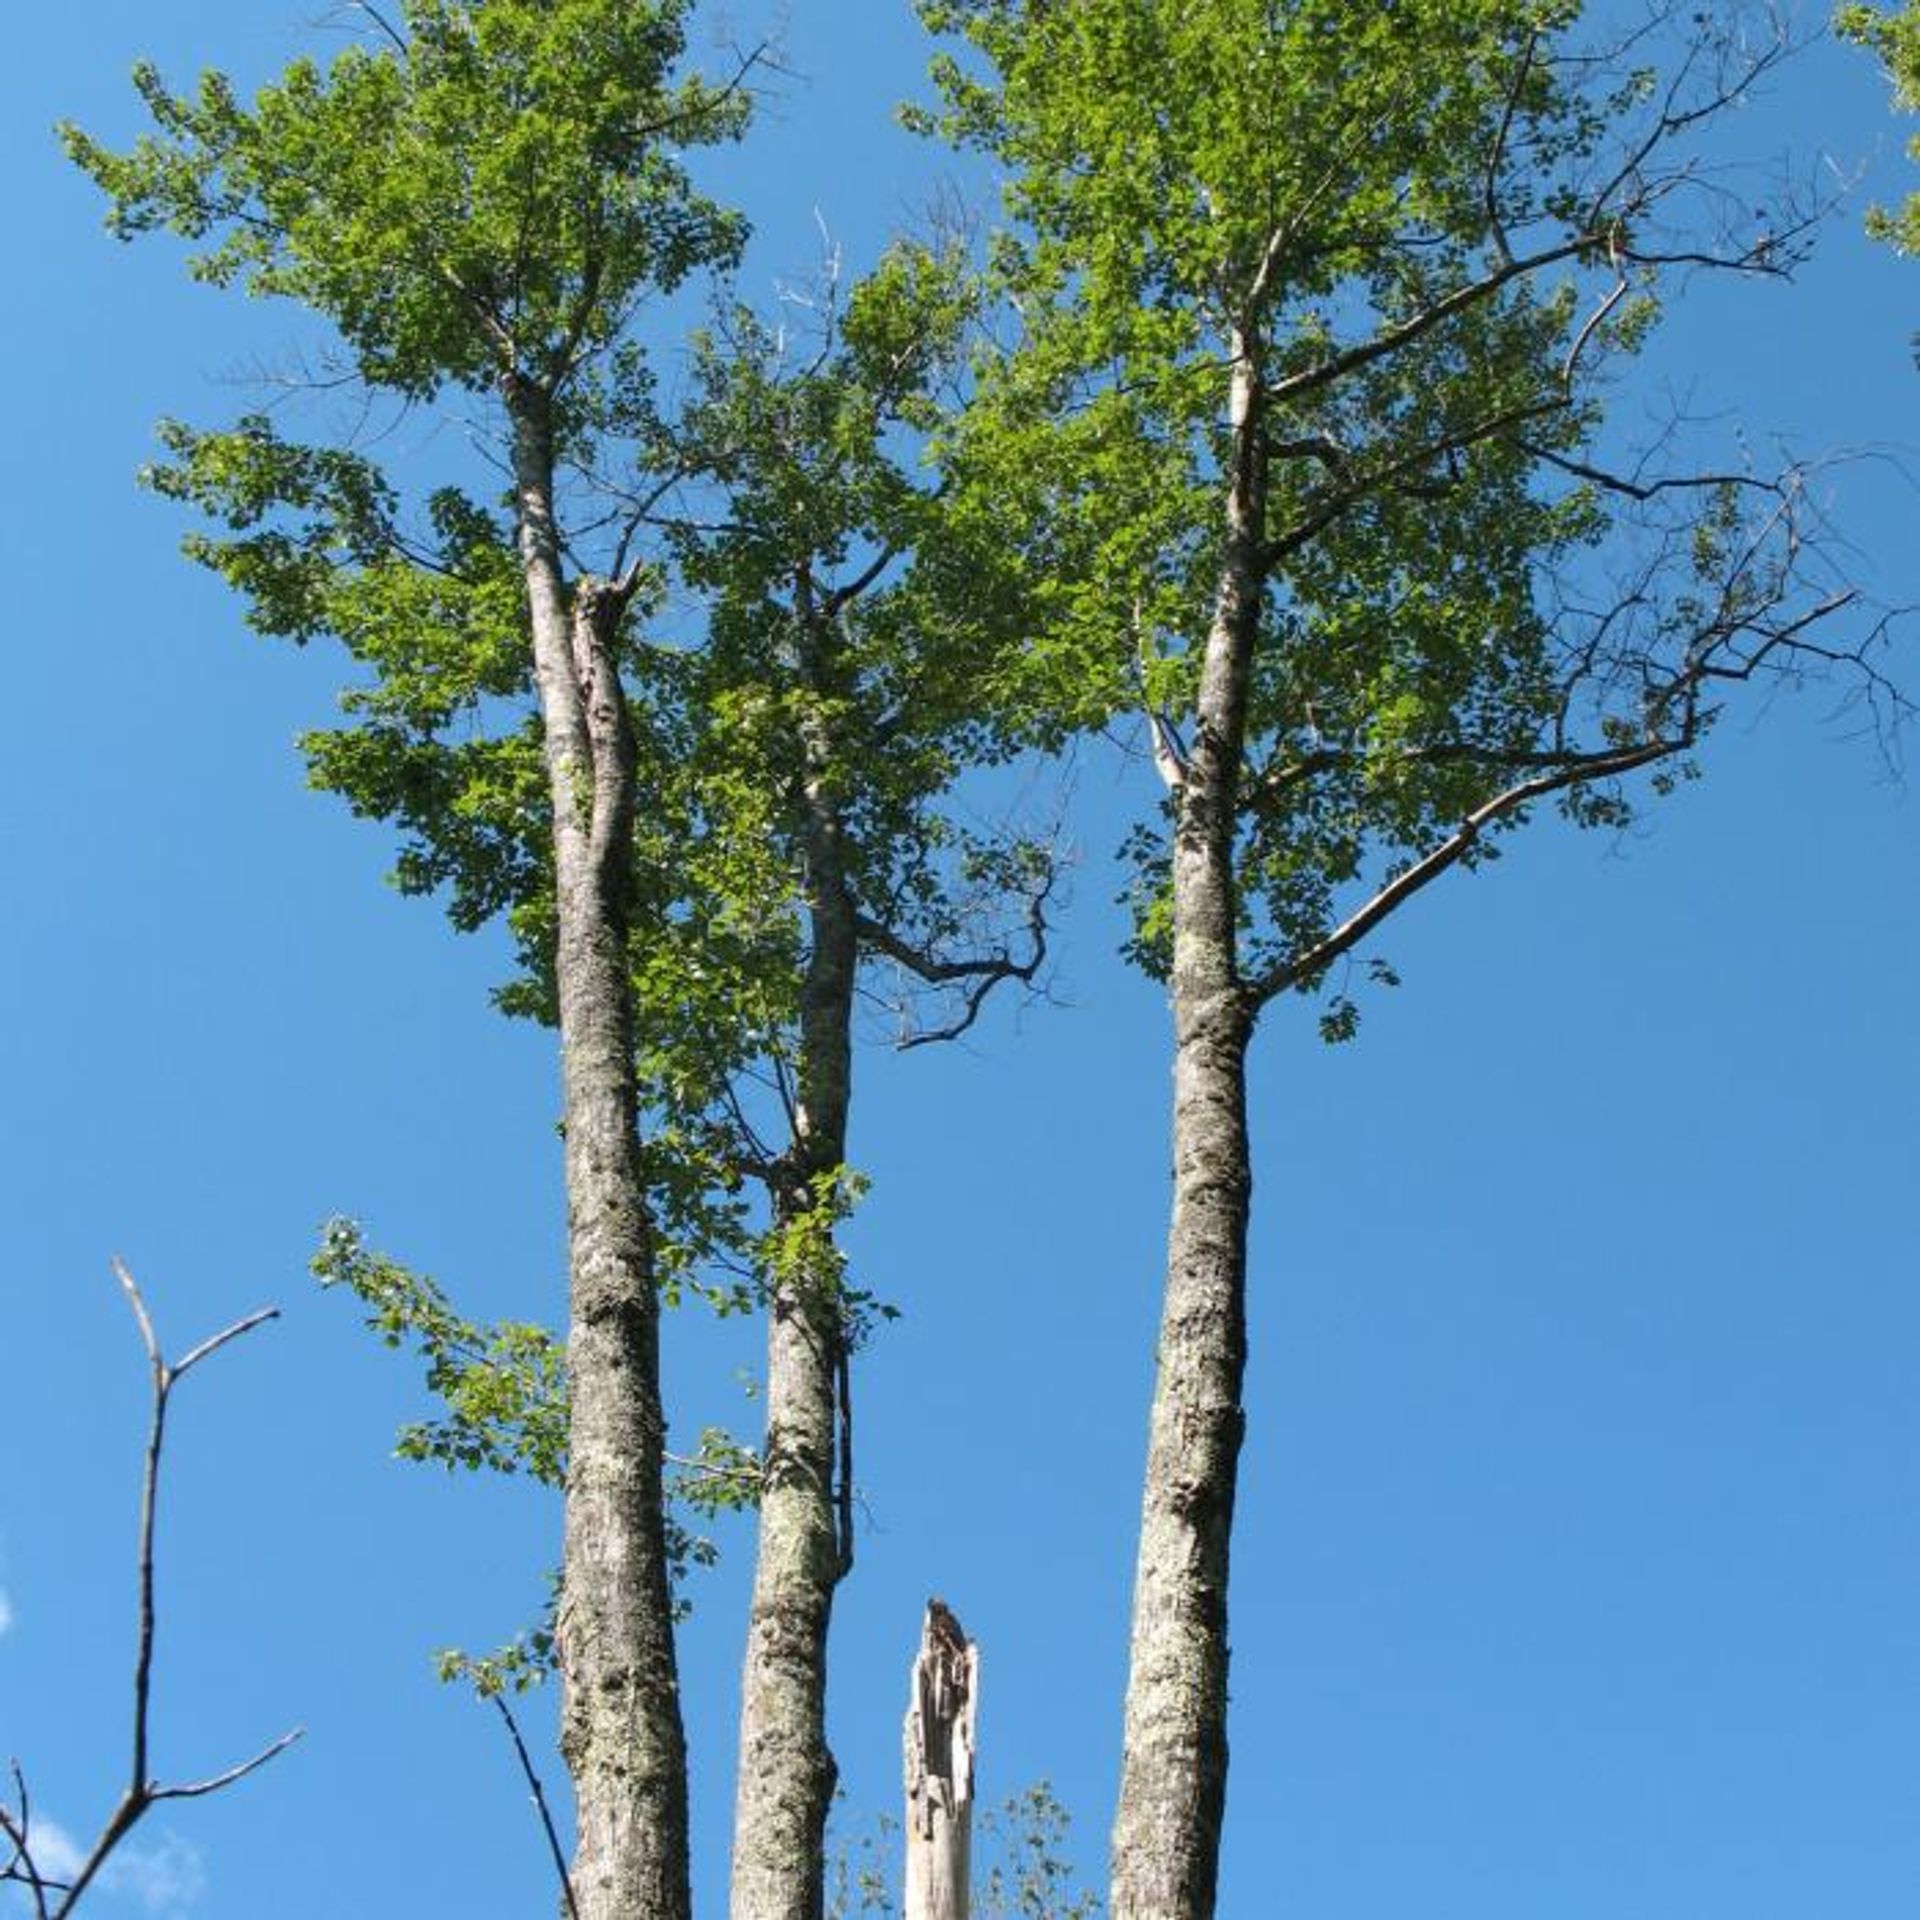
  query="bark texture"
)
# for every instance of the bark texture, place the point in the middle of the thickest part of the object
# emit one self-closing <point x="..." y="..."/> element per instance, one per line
<point x="787" y="1772"/>
<point x="942" y="1699"/>
<point x="620" y="1728"/>
<point x="1166" y="1837"/>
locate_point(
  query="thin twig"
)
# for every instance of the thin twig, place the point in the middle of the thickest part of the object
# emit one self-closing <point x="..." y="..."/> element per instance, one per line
<point x="194" y="1789"/>
<point x="540" y="1802"/>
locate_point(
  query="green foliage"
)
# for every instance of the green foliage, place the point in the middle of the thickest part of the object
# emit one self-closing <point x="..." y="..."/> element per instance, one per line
<point x="1028" y="1876"/>
<point x="503" y="1389"/>
<point x="489" y="198"/>
<point x="858" y="639"/>
<point x="525" y="1662"/>
<point x="1894" y="37"/>
<point x="863" y="1872"/>
<point x="1341" y="202"/>
<point x="485" y="203"/>
<point x="800" y="1255"/>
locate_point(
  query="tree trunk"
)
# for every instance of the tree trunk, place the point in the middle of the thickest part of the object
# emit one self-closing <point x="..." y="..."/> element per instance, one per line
<point x="620" y="1731"/>
<point x="787" y="1773"/>
<point x="1166" y="1836"/>
<point x="942" y="1698"/>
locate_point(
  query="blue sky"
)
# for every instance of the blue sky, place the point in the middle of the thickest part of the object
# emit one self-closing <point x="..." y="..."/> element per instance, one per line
<point x="1579" y="1539"/>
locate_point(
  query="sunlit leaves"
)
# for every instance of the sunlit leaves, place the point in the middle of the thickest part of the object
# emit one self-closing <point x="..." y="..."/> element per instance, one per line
<point x="503" y="1391"/>
<point x="1894" y="36"/>
<point x="1275" y="182"/>
<point x="490" y="200"/>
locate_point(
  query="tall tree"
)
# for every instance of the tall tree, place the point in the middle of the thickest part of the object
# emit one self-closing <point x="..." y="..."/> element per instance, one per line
<point x="766" y="820"/>
<point x="478" y="200"/>
<point x="1306" y="427"/>
<point x="846" y="682"/>
<point x="795" y="851"/>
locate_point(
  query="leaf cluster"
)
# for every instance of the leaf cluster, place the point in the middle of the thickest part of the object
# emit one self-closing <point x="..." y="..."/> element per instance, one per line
<point x="503" y="1388"/>
<point x="1406" y="232"/>
<point x="1894" y="38"/>
<point x="486" y="196"/>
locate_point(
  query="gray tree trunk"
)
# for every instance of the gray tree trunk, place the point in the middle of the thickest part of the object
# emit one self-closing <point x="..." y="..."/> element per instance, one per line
<point x="942" y="1699"/>
<point x="786" y="1771"/>
<point x="620" y="1727"/>
<point x="1166" y="1836"/>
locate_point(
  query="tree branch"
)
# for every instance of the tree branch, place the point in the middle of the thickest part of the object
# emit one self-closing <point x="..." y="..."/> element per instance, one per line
<point x="1332" y="505"/>
<point x="982" y="972"/>
<point x="1502" y="248"/>
<point x="141" y="1791"/>
<point x="1390" y="340"/>
<point x="539" y="1794"/>
<point x="22" y="1869"/>
<point x="1316" y="959"/>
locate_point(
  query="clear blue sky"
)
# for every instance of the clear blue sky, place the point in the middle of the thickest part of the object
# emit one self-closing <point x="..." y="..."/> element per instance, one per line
<point x="1579" y="1549"/>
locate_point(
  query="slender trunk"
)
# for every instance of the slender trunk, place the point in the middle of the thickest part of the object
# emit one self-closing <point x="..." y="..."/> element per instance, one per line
<point x="787" y="1773"/>
<point x="1166" y="1837"/>
<point x="942" y="1699"/>
<point x="620" y="1727"/>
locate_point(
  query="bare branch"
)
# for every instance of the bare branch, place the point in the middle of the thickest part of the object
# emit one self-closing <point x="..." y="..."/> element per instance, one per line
<point x="214" y="1342"/>
<point x="141" y="1791"/>
<point x="1591" y="326"/>
<point x="1389" y="340"/>
<point x="539" y="1794"/>
<point x="840" y="596"/>
<point x="139" y="1313"/>
<point x="1638" y="489"/>
<point x="1306" y="966"/>
<point x="22" y="1869"/>
<point x="197" y="1789"/>
<point x="1503" y="249"/>
<point x="980" y="972"/>
<point x="1576" y="763"/>
<point x="381" y="24"/>
<point x="1331" y="505"/>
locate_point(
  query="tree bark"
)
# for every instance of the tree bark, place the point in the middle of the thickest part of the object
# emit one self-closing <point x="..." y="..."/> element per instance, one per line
<point x="1166" y="1836"/>
<point x="621" y="1731"/>
<point x="786" y="1770"/>
<point x="942" y="1699"/>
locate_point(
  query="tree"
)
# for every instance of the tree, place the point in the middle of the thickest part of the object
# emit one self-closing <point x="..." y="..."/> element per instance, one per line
<point x="943" y="1700"/>
<point x="739" y="828"/>
<point x="845" y="683"/>
<point x="1307" y="431"/>
<point x="808" y="743"/>
<point x="478" y="200"/>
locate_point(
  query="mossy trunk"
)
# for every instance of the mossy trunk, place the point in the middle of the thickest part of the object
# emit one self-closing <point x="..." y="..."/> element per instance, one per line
<point x="1166" y="1836"/>
<point x="620" y="1726"/>
<point x="786" y="1770"/>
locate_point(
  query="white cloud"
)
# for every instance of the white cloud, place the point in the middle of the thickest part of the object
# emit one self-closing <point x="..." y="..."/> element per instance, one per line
<point x="6" y="1611"/>
<point x="55" y="1851"/>
<point x="163" y="1877"/>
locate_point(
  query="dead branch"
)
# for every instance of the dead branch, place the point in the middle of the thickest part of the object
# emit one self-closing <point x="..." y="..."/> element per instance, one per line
<point x="976" y="974"/>
<point x="54" y="1899"/>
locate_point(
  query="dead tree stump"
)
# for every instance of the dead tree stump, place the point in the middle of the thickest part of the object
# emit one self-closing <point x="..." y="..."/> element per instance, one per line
<point x="939" y="1756"/>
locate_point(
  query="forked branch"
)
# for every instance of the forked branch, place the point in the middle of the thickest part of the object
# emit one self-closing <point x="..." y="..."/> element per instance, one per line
<point x="54" y="1899"/>
<point x="975" y="975"/>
